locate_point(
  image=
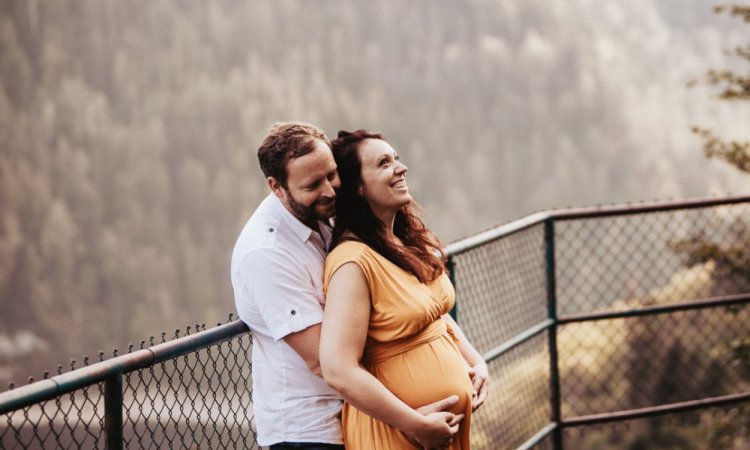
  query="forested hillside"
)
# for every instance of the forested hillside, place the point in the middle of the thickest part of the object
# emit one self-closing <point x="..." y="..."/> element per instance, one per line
<point x="128" y="132"/>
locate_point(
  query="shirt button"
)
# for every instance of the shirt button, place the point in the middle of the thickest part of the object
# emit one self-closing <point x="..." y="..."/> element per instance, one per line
<point x="270" y="230"/>
<point x="294" y="312"/>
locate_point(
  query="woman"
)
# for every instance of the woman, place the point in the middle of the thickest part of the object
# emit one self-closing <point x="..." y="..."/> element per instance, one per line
<point x="387" y="344"/>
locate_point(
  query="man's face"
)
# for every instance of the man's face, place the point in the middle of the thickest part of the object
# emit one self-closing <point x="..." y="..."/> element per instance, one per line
<point x="311" y="179"/>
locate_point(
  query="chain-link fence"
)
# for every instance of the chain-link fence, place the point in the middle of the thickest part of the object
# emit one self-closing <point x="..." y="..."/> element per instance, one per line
<point x="193" y="392"/>
<point x="608" y="328"/>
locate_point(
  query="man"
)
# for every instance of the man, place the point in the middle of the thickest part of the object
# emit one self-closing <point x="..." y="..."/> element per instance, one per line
<point x="277" y="273"/>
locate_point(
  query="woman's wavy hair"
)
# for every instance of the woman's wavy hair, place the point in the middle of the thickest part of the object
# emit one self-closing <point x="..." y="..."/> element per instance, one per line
<point x="422" y="256"/>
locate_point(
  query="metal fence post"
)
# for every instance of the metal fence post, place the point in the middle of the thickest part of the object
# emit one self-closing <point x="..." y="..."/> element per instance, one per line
<point x="113" y="412"/>
<point x="549" y="263"/>
<point x="451" y="266"/>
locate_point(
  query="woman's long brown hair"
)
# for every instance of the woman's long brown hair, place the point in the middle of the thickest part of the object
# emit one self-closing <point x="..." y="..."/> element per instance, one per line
<point x="422" y="255"/>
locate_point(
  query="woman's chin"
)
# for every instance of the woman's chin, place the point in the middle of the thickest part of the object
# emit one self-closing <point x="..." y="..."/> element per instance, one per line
<point x="401" y="205"/>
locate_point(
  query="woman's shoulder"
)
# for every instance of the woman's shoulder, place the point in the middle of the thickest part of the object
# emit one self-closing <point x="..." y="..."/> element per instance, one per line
<point x="356" y="252"/>
<point x="350" y="249"/>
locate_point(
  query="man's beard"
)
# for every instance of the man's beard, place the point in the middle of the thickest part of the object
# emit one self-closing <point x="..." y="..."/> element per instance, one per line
<point x="308" y="214"/>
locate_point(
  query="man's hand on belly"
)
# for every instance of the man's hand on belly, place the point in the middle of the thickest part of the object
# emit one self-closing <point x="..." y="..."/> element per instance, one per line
<point x="438" y="430"/>
<point x="441" y="405"/>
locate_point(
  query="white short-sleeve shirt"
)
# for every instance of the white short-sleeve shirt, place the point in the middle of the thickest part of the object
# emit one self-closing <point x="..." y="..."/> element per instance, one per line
<point x="277" y="276"/>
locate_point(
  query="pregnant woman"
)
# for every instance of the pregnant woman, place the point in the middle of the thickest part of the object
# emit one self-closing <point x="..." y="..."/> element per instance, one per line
<point x="387" y="344"/>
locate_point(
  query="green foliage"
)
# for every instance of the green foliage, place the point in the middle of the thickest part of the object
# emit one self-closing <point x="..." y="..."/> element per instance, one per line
<point x="734" y="10"/>
<point x="732" y="261"/>
<point x="733" y="152"/>
<point x="733" y="86"/>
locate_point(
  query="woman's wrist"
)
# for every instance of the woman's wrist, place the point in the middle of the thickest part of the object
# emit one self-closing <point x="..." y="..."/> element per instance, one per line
<point x="475" y="359"/>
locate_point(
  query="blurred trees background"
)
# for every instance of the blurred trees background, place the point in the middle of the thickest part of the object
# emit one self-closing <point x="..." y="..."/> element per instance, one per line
<point x="128" y="132"/>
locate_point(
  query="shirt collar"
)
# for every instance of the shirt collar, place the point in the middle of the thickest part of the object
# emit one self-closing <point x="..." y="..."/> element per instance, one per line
<point x="302" y="231"/>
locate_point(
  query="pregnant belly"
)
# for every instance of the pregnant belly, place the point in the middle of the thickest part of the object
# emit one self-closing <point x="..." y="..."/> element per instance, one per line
<point x="428" y="373"/>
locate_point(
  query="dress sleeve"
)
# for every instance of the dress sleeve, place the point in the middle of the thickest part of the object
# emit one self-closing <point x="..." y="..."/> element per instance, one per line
<point x="349" y="252"/>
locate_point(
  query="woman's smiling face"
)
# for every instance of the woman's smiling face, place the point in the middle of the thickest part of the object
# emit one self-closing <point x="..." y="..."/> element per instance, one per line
<point x="383" y="178"/>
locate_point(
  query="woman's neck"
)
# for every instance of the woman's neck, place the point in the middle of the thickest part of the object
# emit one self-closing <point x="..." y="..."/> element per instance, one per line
<point x="388" y="218"/>
<point x="391" y="237"/>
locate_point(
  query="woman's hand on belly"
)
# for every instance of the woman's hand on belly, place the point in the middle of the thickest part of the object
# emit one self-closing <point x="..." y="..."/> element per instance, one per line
<point x="479" y="379"/>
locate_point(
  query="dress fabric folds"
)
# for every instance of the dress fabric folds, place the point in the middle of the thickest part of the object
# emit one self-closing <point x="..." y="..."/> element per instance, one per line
<point x="409" y="347"/>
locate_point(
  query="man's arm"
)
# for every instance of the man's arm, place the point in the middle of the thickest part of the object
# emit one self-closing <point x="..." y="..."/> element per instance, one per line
<point x="286" y="301"/>
<point x="307" y="344"/>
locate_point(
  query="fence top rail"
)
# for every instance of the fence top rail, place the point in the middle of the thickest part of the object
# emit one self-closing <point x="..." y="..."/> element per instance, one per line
<point x="98" y="372"/>
<point x="529" y="221"/>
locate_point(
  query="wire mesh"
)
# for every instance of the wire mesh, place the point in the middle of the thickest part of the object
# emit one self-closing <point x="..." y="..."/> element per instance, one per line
<point x="517" y="405"/>
<point x="545" y="444"/>
<point x="199" y="400"/>
<point x="627" y="261"/>
<point x="202" y="399"/>
<point x="636" y="362"/>
<point x="717" y="428"/>
<point x="500" y="288"/>
<point x="69" y="421"/>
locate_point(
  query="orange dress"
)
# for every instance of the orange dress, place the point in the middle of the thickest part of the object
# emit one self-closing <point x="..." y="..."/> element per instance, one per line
<point x="409" y="347"/>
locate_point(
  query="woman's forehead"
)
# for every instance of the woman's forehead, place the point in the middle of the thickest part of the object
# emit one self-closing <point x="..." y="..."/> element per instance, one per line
<point x="374" y="148"/>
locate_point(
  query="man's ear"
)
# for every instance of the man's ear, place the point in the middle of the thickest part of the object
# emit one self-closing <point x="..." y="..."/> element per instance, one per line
<point x="276" y="187"/>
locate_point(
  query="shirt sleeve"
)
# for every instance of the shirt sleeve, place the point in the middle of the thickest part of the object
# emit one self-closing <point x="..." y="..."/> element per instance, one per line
<point x="282" y="290"/>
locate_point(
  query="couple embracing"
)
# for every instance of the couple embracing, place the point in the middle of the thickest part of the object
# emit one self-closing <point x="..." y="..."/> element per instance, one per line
<point x="347" y="296"/>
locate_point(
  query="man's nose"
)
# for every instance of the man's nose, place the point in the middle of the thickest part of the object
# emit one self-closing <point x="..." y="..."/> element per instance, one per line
<point x="336" y="182"/>
<point x="329" y="189"/>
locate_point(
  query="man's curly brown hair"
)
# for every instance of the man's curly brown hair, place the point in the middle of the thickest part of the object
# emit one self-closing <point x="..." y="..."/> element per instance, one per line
<point x="285" y="141"/>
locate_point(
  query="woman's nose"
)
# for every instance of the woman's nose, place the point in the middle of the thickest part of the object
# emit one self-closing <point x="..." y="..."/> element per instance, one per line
<point x="401" y="168"/>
